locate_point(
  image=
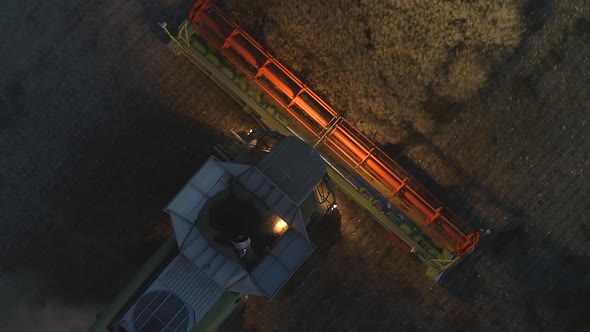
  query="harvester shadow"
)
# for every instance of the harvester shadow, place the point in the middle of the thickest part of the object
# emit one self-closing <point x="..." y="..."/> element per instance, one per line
<point x="540" y="274"/>
<point x="106" y="216"/>
<point x="326" y="231"/>
<point x="523" y="269"/>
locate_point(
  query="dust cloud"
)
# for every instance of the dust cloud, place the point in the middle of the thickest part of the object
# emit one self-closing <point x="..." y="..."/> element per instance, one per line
<point x="27" y="305"/>
<point x="52" y="316"/>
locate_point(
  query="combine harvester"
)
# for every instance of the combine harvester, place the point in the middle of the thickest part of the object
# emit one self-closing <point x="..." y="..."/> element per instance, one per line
<point x="416" y="221"/>
<point x="240" y="225"/>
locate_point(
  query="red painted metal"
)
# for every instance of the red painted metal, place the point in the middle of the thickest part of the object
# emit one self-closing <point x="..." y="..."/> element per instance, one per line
<point x="348" y="143"/>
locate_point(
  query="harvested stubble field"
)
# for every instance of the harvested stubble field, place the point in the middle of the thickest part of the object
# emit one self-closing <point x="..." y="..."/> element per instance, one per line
<point x="486" y="104"/>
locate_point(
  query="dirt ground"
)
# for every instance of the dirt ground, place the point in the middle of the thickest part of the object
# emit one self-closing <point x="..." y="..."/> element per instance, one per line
<point x="100" y="124"/>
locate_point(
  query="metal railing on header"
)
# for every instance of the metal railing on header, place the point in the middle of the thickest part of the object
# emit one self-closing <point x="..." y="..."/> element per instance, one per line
<point x="354" y="149"/>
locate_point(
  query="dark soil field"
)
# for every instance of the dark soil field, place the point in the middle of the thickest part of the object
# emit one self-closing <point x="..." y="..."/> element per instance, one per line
<point x="100" y="125"/>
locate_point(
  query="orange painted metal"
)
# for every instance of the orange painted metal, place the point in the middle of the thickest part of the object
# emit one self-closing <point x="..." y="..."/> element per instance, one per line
<point x="349" y="144"/>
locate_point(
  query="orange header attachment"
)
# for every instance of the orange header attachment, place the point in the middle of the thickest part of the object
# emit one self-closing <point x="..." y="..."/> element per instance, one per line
<point x="343" y="139"/>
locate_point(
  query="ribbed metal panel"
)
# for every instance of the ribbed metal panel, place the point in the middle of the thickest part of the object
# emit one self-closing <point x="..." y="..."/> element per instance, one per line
<point x="192" y="285"/>
<point x="209" y="180"/>
<point x="264" y="189"/>
<point x="295" y="167"/>
<point x="273" y="271"/>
